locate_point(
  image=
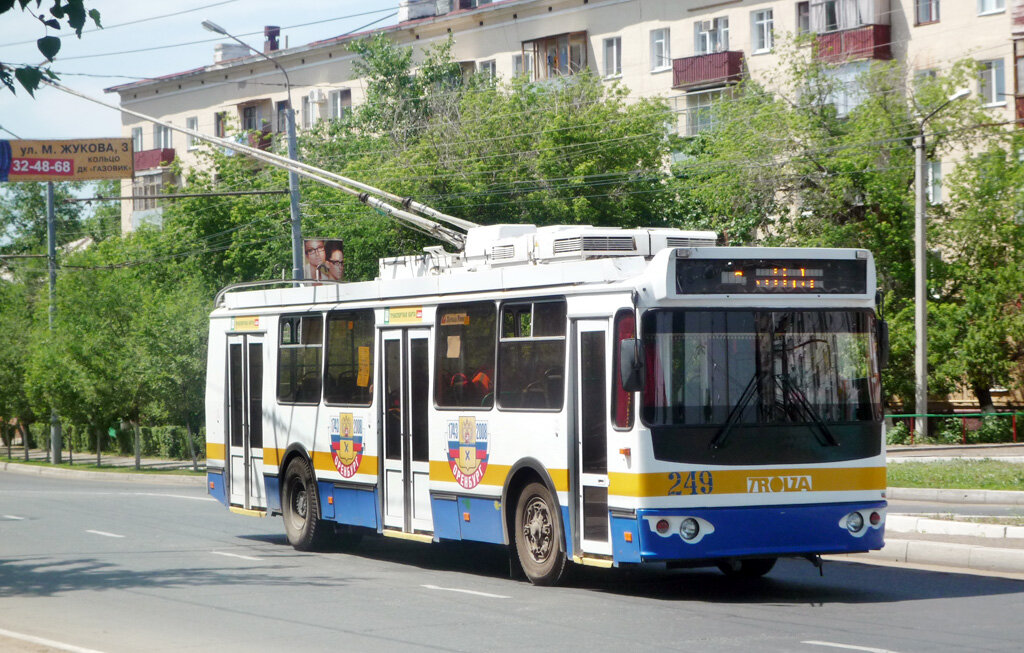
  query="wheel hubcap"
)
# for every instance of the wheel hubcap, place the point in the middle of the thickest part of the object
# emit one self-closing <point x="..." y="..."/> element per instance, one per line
<point x="299" y="504"/>
<point x="537" y="529"/>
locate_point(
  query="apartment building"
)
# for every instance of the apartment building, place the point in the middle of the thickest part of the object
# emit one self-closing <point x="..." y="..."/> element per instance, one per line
<point x="689" y="51"/>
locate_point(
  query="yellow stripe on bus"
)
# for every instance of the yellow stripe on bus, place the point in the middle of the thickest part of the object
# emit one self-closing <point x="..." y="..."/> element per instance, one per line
<point x="746" y="481"/>
<point x="495" y="475"/>
<point x="215" y="450"/>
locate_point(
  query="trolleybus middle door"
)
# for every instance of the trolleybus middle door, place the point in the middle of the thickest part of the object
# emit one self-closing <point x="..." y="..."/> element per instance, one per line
<point x="245" y="421"/>
<point x="406" y="466"/>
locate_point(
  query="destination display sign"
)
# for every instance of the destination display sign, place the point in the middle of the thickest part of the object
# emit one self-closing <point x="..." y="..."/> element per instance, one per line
<point x="66" y="160"/>
<point x="754" y="276"/>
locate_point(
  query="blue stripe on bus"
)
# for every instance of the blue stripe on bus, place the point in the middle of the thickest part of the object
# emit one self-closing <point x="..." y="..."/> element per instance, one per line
<point x="754" y="531"/>
<point x="354" y="506"/>
<point x="445" y="511"/>
<point x="272" y="484"/>
<point x="483" y="523"/>
<point x="215" y="487"/>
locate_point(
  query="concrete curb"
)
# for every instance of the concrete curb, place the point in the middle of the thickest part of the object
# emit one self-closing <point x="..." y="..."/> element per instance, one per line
<point x="1002" y="497"/>
<point x="946" y="554"/>
<point x="914" y="524"/>
<point x="38" y="470"/>
<point x="900" y="460"/>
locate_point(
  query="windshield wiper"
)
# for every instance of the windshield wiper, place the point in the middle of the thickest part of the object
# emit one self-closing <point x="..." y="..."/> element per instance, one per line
<point x="718" y="441"/>
<point x="822" y="432"/>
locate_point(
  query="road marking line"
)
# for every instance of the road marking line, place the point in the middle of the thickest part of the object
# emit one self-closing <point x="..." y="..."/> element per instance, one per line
<point x="234" y="555"/>
<point x="474" y="593"/>
<point x="173" y="496"/>
<point x="47" y="642"/>
<point x="104" y="533"/>
<point x="851" y="647"/>
<point x="14" y="517"/>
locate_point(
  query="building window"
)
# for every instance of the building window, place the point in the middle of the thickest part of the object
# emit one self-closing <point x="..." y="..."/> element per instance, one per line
<point x="145" y="189"/>
<point x="699" y="111"/>
<point x="835" y="15"/>
<point x="298" y="359"/>
<point x="934" y="182"/>
<point x="803" y="17"/>
<point x="711" y="36"/>
<point x="847" y="93"/>
<point x="522" y="64"/>
<point x="251" y="118"/>
<point x="191" y="141"/>
<point x="927" y="11"/>
<point x="307" y="112"/>
<point x="992" y="85"/>
<point x="339" y="103"/>
<point x="162" y="138"/>
<point x="282" y="115"/>
<point x="613" y="57"/>
<point x="488" y="68"/>
<point x="136" y="139"/>
<point x="991" y="7"/>
<point x="661" y="58"/>
<point x="220" y="126"/>
<point x="554" y="56"/>
<point x="762" y="24"/>
<point x="1018" y="47"/>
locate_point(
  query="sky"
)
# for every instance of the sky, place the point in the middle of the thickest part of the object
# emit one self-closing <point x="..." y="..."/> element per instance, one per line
<point x="121" y="53"/>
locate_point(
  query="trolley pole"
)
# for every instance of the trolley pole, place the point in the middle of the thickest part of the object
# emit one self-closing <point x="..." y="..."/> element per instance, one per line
<point x="51" y="251"/>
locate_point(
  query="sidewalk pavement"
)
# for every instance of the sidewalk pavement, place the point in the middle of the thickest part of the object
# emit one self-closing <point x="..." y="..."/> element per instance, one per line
<point x="16" y="465"/>
<point x="910" y="539"/>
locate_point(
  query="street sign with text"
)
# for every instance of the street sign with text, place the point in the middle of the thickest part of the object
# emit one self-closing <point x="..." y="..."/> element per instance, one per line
<point x="66" y="160"/>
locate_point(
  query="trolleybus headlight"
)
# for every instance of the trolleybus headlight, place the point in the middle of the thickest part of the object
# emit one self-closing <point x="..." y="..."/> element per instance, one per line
<point x="689" y="528"/>
<point x="854" y="522"/>
<point x="875" y="518"/>
<point x="662" y="526"/>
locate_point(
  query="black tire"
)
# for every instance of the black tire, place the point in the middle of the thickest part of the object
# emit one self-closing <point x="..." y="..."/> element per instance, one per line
<point x="538" y="535"/>
<point x="300" y="505"/>
<point x="748" y="568"/>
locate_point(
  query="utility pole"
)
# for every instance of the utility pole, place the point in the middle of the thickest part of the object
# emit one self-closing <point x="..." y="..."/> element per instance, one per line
<point x="921" y="270"/>
<point x="293" y="177"/>
<point x="51" y="255"/>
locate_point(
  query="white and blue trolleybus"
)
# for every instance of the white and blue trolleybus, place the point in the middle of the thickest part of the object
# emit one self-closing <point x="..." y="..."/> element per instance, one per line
<point x="581" y="394"/>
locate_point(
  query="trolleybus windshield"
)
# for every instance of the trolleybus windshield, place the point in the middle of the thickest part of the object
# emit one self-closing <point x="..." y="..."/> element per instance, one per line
<point x="762" y="373"/>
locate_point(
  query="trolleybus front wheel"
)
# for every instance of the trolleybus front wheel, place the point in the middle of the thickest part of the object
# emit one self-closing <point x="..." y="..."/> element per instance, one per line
<point x="747" y="568"/>
<point x="538" y="535"/>
<point x="301" y="507"/>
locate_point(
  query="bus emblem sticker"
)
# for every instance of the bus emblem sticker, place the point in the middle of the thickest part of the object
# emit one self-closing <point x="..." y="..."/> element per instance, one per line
<point x="467" y="450"/>
<point x="346" y="443"/>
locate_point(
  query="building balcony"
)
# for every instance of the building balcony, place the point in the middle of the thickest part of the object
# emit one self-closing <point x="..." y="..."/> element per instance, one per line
<point x="152" y="159"/>
<point x="707" y="69"/>
<point x="864" y="42"/>
<point x="1020" y="110"/>
<point x="260" y="139"/>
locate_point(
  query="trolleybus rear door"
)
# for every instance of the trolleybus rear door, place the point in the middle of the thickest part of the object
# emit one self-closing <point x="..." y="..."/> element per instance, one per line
<point x="592" y="436"/>
<point x="406" y="397"/>
<point x="245" y="421"/>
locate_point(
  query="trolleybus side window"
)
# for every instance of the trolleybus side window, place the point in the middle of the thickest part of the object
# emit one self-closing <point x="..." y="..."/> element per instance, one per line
<point x="298" y="359"/>
<point x="464" y="355"/>
<point x="623" y="403"/>
<point x="531" y="355"/>
<point x="348" y="378"/>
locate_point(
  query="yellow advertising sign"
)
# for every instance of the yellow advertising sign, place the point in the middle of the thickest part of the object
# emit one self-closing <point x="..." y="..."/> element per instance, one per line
<point x="404" y="315"/>
<point x="246" y="323"/>
<point x="363" y="377"/>
<point x="69" y="160"/>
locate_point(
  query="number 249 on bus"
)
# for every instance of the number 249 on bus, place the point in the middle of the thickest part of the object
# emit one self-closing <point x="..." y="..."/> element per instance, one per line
<point x="691" y="483"/>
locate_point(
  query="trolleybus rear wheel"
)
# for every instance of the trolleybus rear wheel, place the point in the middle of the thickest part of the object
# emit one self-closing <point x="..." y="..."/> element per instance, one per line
<point x="538" y="535"/>
<point x="301" y="507"/>
<point x="747" y="568"/>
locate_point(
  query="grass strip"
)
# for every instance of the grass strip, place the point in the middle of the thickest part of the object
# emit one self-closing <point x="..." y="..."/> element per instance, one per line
<point x="114" y="469"/>
<point x="984" y="474"/>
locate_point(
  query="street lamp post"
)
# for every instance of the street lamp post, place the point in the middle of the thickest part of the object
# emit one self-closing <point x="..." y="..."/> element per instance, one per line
<point x="293" y="177"/>
<point x="921" y="270"/>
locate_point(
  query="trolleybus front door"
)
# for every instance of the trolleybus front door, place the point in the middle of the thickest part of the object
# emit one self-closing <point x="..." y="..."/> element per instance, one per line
<point x="245" y="421"/>
<point x="406" y="397"/>
<point x="592" y="436"/>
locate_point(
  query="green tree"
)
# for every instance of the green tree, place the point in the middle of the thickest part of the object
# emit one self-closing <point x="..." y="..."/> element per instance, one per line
<point x="23" y="216"/>
<point x="74" y="15"/>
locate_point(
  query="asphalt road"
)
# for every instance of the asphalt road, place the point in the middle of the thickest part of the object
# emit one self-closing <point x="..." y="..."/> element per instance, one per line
<point x="114" y="566"/>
